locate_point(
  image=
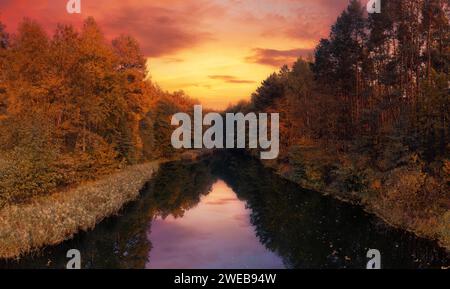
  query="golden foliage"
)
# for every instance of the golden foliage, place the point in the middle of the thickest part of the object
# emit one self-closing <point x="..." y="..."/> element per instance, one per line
<point x="72" y="108"/>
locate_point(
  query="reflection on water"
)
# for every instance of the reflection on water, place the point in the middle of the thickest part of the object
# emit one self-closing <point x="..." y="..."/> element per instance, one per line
<point x="229" y="212"/>
<point x="215" y="234"/>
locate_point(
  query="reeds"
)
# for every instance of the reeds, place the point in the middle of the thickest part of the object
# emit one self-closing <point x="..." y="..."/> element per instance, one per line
<point x="51" y="219"/>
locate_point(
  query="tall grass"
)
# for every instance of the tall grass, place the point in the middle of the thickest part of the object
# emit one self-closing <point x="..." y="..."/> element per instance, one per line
<point x="51" y="219"/>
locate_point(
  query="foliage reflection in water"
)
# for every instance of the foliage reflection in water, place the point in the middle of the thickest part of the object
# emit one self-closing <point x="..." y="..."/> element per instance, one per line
<point x="230" y="212"/>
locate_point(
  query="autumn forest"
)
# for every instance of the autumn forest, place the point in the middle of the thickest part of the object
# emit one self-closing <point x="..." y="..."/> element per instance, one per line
<point x="367" y="118"/>
<point x="74" y="107"/>
<point x="364" y="118"/>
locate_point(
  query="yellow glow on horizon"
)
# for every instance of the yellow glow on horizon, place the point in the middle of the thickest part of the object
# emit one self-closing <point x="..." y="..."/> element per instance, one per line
<point x="233" y="39"/>
<point x="188" y="41"/>
<point x="198" y="71"/>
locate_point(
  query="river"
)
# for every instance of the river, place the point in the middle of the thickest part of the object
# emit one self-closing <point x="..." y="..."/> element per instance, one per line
<point x="228" y="211"/>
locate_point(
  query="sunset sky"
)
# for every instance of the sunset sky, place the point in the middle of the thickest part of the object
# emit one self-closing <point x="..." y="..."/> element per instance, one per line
<point x="217" y="51"/>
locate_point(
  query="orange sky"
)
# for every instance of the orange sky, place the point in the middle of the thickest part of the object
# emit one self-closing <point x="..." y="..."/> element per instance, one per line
<point x="217" y="51"/>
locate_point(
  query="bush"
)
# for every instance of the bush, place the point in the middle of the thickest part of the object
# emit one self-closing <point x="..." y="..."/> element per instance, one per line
<point x="349" y="179"/>
<point x="32" y="162"/>
<point x="28" y="170"/>
<point x="297" y="163"/>
<point x="413" y="193"/>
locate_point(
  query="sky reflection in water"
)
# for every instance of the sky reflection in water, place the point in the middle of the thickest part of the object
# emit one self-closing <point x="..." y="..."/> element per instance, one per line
<point x="225" y="239"/>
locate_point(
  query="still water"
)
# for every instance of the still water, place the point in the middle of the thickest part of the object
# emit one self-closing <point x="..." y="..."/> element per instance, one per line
<point x="217" y="233"/>
<point x="230" y="212"/>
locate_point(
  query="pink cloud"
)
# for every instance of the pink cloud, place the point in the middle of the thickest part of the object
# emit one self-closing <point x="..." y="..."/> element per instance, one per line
<point x="161" y="26"/>
<point x="298" y="19"/>
<point x="277" y="58"/>
<point x="164" y="27"/>
<point x="161" y="31"/>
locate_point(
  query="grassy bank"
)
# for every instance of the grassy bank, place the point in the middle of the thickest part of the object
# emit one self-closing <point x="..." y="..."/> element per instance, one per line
<point x="406" y="193"/>
<point x="51" y="219"/>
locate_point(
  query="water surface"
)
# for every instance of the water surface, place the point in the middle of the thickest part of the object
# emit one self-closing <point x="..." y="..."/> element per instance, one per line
<point x="217" y="233"/>
<point x="230" y="212"/>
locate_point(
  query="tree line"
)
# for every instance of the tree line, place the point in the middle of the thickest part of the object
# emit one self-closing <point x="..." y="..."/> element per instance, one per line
<point x="74" y="106"/>
<point x="377" y="78"/>
<point x="366" y="117"/>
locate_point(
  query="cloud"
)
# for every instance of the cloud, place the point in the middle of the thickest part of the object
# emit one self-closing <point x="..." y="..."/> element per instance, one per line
<point x="230" y="79"/>
<point x="163" y="31"/>
<point x="277" y="58"/>
<point x="198" y="45"/>
<point x="313" y="21"/>
<point x="173" y="60"/>
<point x="222" y="201"/>
<point x="194" y="84"/>
<point x="163" y="27"/>
<point x="305" y="20"/>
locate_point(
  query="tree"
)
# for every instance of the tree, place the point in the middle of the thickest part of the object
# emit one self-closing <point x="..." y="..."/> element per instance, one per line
<point x="129" y="53"/>
<point x="72" y="108"/>
<point x="436" y="29"/>
<point x="130" y="64"/>
<point x="271" y="89"/>
<point x="346" y="44"/>
<point x="4" y="37"/>
<point x="299" y="91"/>
<point x="325" y="65"/>
<point x="3" y="62"/>
<point x="26" y="73"/>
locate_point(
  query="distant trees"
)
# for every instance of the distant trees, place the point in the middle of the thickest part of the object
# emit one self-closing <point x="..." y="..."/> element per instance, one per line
<point x="85" y="105"/>
<point x="3" y="45"/>
<point x="271" y="89"/>
<point x="157" y="123"/>
<point x="3" y="37"/>
<point x="72" y="107"/>
<point x="368" y="118"/>
<point x="387" y="73"/>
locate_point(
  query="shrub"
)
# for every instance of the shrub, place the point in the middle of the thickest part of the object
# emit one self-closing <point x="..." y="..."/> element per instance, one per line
<point x="297" y="163"/>
<point x="28" y="170"/>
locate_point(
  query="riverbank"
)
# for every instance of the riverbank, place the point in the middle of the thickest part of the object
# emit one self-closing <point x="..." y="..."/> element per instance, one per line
<point x="410" y="195"/>
<point x="52" y="219"/>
